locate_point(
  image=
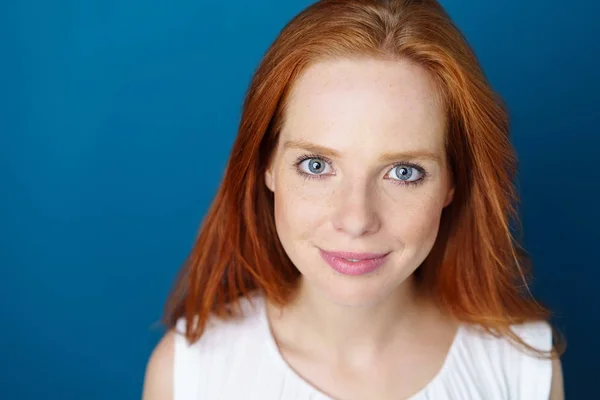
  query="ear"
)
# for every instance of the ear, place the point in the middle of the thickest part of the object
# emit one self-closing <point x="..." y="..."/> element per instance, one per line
<point x="449" y="197"/>
<point x="269" y="179"/>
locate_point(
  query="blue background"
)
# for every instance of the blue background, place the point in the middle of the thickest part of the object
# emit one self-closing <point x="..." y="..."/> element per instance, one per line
<point x="116" y="121"/>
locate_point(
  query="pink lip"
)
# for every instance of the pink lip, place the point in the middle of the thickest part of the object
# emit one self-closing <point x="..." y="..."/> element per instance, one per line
<point x="369" y="262"/>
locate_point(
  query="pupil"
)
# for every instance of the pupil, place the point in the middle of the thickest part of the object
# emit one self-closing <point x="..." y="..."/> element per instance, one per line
<point x="316" y="166"/>
<point x="403" y="172"/>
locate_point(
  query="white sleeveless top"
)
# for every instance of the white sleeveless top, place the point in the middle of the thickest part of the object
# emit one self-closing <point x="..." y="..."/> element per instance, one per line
<point x="239" y="359"/>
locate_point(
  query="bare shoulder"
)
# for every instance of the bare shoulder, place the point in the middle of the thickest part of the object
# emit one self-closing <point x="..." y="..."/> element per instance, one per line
<point x="158" y="380"/>
<point x="557" y="391"/>
<point x="539" y="335"/>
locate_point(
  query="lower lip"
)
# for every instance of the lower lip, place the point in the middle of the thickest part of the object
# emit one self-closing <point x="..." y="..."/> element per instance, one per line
<point x="346" y="267"/>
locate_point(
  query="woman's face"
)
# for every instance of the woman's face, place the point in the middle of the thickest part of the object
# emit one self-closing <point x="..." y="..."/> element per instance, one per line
<point x="360" y="167"/>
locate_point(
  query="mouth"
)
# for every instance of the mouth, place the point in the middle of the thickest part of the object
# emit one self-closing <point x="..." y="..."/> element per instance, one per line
<point x="349" y="263"/>
<point x="350" y="256"/>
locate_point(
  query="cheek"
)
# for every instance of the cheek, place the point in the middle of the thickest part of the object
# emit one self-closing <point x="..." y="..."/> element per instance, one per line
<point x="299" y="208"/>
<point x="416" y="221"/>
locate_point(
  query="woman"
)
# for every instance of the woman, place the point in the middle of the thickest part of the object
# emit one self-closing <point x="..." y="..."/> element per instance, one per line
<point x="360" y="244"/>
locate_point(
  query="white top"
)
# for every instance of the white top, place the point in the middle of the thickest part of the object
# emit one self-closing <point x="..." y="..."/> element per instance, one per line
<point x="239" y="359"/>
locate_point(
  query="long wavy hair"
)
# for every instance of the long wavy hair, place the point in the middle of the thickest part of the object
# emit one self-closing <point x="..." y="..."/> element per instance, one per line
<point x="476" y="269"/>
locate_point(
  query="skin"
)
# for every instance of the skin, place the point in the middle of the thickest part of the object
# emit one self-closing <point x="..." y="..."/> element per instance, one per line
<point x="369" y="336"/>
<point x="366" y="111"/>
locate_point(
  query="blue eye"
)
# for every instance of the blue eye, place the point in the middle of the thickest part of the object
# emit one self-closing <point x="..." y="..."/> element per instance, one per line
<point x="314" y="166"/>
<point x="405" y="173"/>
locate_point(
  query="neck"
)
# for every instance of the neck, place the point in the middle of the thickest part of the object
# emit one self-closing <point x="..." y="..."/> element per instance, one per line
<point x="343" y="331"/>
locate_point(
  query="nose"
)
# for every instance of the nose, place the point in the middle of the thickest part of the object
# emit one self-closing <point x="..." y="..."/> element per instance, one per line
<point x="355" y="212"/>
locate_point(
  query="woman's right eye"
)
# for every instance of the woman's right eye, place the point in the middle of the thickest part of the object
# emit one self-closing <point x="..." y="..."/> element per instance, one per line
<point x="314" y="166"/>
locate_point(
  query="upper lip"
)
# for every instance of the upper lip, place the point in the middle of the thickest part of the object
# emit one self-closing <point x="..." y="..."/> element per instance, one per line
<point x="355" y="256"/>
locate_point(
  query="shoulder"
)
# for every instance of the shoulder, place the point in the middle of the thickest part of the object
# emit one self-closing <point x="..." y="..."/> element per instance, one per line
<point x="158" y="380"/>
<point x="539" y="335"/>
<point x="517" y="372"/>
<point x="220" y="334"/>
<point x="557" y="391"/>
<point x="201" y="369"/>
<point x="536" y="334"/>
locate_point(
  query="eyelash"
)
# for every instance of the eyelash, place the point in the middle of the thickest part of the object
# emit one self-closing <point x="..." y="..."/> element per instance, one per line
<point x="416" y="166"/>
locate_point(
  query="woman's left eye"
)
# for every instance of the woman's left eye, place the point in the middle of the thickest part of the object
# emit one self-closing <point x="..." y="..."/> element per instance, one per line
<point x="405" y="173"/>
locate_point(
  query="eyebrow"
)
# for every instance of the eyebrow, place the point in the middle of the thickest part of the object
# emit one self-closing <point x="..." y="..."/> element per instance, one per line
<point x="386" y="157"/>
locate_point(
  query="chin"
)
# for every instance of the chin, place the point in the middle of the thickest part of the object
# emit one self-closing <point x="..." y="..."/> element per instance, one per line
<point x="351" y="291"/>
<point x="355" y="296"/>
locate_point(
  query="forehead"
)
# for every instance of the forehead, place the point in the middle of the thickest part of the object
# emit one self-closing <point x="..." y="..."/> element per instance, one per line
<point x="358" y="101"/>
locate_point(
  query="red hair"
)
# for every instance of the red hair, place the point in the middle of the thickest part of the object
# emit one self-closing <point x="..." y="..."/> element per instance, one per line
<point x="476" y="269"/>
